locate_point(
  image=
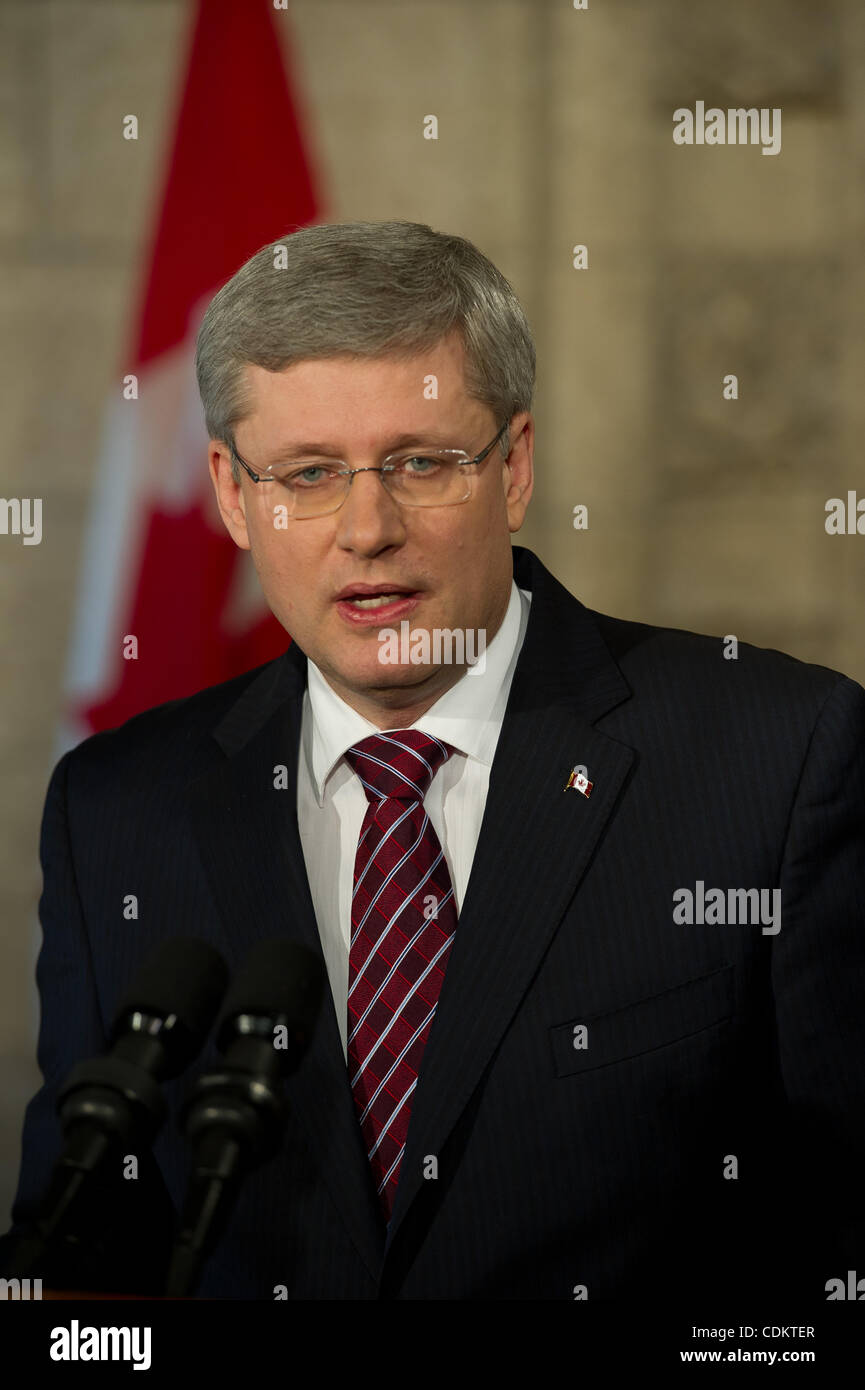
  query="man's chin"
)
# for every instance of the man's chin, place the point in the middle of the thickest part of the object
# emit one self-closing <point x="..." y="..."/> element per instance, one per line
<point x="398" y="677"/>
<point x="379" y="682"/>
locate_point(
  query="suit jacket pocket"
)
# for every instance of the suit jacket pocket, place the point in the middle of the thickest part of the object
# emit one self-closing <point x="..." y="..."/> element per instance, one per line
<point x="643" y="1026"/>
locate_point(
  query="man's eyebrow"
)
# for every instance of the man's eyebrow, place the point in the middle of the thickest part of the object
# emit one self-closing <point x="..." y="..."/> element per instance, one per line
<point x="399" y="441"/>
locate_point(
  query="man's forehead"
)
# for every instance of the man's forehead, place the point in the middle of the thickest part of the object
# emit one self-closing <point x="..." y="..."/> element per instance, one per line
<point x="400" y="397"/>
<point x="408" y="371"/>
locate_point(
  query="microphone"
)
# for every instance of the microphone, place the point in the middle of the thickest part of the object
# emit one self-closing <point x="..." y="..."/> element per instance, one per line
<point x="235" y="1116"/>
<point x="110" y="1103"/>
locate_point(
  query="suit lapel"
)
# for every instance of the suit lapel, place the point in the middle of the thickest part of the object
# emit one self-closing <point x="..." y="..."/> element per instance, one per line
<point x="247" y="835"/>
<point x="534" y="845"/>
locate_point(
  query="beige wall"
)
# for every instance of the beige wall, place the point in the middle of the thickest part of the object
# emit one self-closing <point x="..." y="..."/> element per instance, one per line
<point x="554" y="128"/>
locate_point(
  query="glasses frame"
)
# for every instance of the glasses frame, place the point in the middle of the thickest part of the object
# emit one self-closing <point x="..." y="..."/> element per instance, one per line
<point x="383" y="468"/>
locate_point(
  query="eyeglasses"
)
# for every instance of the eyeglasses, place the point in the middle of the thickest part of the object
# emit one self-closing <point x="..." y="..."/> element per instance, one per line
<point x="425" y="478"/>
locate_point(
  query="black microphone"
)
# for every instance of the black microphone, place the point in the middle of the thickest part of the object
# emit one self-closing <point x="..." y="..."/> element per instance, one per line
<point x="235" y="1115"/>
<point x="110" y="1103"/>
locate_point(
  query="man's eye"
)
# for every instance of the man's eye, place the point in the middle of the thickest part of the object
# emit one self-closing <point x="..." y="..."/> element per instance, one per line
<point x="420" y="464"/>
<point x="311" y="475"/>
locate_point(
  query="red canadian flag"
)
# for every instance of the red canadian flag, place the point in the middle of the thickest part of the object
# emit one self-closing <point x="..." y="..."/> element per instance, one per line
<point x="158" y="565"/>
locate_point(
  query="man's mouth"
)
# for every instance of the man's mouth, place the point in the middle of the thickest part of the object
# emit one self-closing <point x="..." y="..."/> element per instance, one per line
<point x="371" y="598"/>
<point x="378" y="601"/>
<point x="374" y="595"/>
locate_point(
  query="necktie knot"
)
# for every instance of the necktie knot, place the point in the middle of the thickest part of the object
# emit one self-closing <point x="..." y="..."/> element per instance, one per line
<point x="399" y="764"/>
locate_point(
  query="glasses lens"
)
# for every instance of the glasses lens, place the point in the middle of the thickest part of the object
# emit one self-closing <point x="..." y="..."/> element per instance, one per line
<point x="433" y="478"/>
<point x="309" y="489"/>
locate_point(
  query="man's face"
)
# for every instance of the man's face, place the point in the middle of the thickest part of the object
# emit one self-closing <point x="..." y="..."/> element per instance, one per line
<point x="455" y="560"/>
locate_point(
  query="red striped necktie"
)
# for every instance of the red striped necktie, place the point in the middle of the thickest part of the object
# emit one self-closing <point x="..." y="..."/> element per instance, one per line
<point x="403" y="918"/>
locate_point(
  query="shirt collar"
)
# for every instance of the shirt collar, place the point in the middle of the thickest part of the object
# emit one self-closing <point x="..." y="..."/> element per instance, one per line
<point x="469" y="715"/>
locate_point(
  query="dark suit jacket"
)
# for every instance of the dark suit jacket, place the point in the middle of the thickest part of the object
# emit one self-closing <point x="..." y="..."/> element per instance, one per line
<point x="608" y="1165"/>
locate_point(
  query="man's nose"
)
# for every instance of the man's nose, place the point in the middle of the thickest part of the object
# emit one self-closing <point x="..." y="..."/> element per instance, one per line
<point x="369" y="518"/>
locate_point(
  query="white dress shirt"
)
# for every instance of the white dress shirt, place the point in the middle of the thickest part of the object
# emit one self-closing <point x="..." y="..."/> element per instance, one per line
<point x="331" y="802"/>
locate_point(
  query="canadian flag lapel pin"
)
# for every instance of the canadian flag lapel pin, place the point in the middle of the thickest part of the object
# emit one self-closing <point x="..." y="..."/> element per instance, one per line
<point x="579" y="781"/>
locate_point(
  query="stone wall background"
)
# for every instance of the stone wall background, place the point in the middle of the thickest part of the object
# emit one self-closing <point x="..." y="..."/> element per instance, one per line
<point x="555" y="127"/>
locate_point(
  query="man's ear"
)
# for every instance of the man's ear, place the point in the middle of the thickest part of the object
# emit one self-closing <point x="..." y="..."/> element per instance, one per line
<point x="518" y="474"/>
<point x="229" y="494"/>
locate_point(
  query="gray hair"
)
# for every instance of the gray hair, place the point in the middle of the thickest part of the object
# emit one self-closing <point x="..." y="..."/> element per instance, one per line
<point x="372" y="289"/>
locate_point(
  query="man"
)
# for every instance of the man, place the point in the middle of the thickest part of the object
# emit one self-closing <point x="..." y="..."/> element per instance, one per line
<point x="590" y="903"/>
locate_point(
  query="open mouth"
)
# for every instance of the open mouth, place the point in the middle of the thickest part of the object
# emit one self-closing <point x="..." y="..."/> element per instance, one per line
<point x="376" y="604"/>
<point x="378" y="600"/>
